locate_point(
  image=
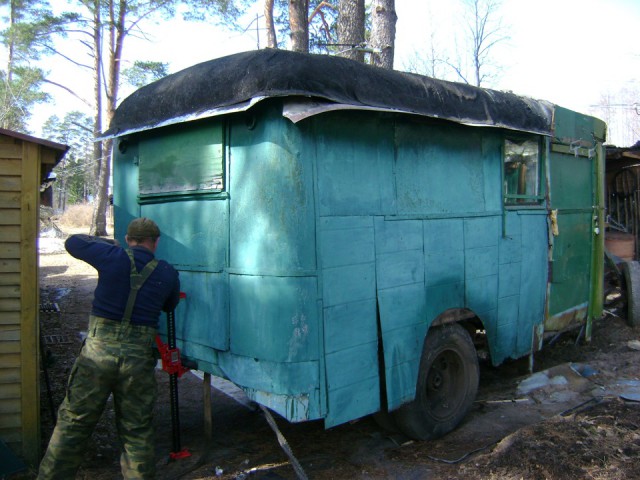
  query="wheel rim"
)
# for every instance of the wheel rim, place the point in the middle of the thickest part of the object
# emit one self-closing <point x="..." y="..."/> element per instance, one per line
<point x="445" y="386"/>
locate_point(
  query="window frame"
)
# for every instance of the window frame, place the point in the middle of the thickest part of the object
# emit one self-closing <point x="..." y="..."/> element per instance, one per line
<point x="194" y="193"/>
<point x="512" y="200"/>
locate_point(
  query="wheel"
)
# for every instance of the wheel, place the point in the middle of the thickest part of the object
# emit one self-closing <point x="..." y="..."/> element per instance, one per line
<point x="631" y="271"/>
<point x="447" y="384"/>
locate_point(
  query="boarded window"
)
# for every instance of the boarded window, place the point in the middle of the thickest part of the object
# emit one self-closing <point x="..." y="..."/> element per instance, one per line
<point x="521" y="171"/>
<point x="187" y="160"/>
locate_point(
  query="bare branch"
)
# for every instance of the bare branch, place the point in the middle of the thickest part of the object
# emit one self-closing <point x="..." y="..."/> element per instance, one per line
<point x="68" y="90"/>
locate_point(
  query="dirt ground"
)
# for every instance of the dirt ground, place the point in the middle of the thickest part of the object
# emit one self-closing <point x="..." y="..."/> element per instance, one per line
<point x="574" y="426"/>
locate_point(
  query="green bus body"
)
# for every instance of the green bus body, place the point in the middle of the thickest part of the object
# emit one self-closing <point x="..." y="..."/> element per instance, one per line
<point x="318" y="252"/>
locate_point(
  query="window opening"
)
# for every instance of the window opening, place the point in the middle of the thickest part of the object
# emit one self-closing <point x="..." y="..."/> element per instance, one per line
<point x="521" y="171"/>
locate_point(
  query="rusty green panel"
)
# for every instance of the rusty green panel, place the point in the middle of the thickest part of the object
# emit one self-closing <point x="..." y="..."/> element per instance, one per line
<point x="272" y="209"/>
<point x="570" y="127"/>
<point x="571" y="179"/>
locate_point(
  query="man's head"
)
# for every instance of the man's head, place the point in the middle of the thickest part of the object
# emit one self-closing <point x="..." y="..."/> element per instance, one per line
<point x="143" y="231"/>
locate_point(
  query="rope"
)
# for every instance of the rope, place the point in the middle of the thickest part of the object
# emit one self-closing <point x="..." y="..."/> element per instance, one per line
<point x="283" y="443"/>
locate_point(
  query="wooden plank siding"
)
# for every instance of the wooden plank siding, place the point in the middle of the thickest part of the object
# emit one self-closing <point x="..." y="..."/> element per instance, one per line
<point x="10" y="292"/>
<point x="20" y="167"/>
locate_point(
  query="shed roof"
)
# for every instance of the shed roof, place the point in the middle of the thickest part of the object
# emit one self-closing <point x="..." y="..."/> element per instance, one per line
<point x="236" y="82"/>
<point x="59" y="148"/>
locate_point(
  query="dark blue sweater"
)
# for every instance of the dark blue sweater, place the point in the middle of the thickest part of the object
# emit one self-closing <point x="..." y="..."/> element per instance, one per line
<point x="161" y="291"/>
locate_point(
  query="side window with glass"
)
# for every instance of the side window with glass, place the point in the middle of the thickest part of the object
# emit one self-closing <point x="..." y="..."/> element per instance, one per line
<point x="522" y="172"/>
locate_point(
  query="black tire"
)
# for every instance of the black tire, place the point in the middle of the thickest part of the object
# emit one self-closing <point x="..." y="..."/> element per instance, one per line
<point x="631" y="271"/>
<point x="447" y="384"/>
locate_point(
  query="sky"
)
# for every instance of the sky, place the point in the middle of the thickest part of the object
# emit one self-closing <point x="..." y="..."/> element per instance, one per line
<point x="569" y="52"/>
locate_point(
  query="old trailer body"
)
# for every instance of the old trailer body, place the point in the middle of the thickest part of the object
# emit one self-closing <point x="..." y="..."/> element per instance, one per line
<point x="327" y="217"/>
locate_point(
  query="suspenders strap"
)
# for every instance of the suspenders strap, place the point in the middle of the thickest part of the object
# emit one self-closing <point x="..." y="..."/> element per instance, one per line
<point x="137" y="280"/>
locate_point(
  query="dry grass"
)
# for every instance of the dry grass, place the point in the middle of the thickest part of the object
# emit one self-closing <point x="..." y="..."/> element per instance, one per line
<point x="76" y="216"/>
<point x="77" y="219"/>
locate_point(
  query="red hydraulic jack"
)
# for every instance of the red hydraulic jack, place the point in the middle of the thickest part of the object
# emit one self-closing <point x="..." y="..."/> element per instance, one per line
<point x="172" y="364"/>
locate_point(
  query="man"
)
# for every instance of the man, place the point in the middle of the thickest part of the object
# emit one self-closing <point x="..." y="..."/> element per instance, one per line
<point x="116" y="358"/>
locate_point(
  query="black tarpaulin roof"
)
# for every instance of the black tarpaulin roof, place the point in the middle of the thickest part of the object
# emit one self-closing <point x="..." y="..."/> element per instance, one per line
<point x="208" y="88"/>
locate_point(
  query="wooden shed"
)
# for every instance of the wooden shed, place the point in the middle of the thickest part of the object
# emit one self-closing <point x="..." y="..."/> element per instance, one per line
<point x="25" y="163"/>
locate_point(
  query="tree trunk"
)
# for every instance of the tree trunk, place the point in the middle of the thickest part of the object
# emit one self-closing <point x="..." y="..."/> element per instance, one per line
<point x="272" y="41"/>
<point x="98" y="223"/>
<point x="116" y="41"/>
<point x="351" y="28"/>
<point x="383" y="32"/>
<point x="298" y="11"/>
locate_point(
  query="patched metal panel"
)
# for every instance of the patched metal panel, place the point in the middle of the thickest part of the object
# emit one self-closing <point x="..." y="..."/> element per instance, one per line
<point x="355" y="165"/>
<point x="401" y="300"/>
<point x="403" y="322"/>
<point x="207" y="298"/>
<point x="350" y="340"/>
<point x="481" y="237"/>
<point x="272" y="208"/>
<point x="427" y="156"/>
<point x="521" y="283"/>
<point x="194" y="238"/>
<point x="290" y="389"/>
<point x="125" y="188"/>
<point x="533" y="277"/>
<point x="274" y="318"/>
<point x="194" y="233"/>
<point x="444" y="265"/>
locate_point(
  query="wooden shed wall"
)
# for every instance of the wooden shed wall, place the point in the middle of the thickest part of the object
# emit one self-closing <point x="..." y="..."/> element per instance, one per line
<point x="20" y="164"/>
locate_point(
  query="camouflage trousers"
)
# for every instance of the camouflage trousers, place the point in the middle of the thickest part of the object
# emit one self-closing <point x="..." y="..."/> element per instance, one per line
<point x="116" y="359"/>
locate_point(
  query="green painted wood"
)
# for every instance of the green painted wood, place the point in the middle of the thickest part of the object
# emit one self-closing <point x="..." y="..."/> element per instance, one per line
<point x="572" y="195"/>
<point x="349" y="325"/>
<point x="272" y="211"/>
<point x="274" y="318"/>
<point x="353" y="401"/>
<point x="194" y="234"/>
<point x="354" y="164"/>
<point x="202" y="317"/>
<point x="425" y="157"/>
<point x="346" y="252"/>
